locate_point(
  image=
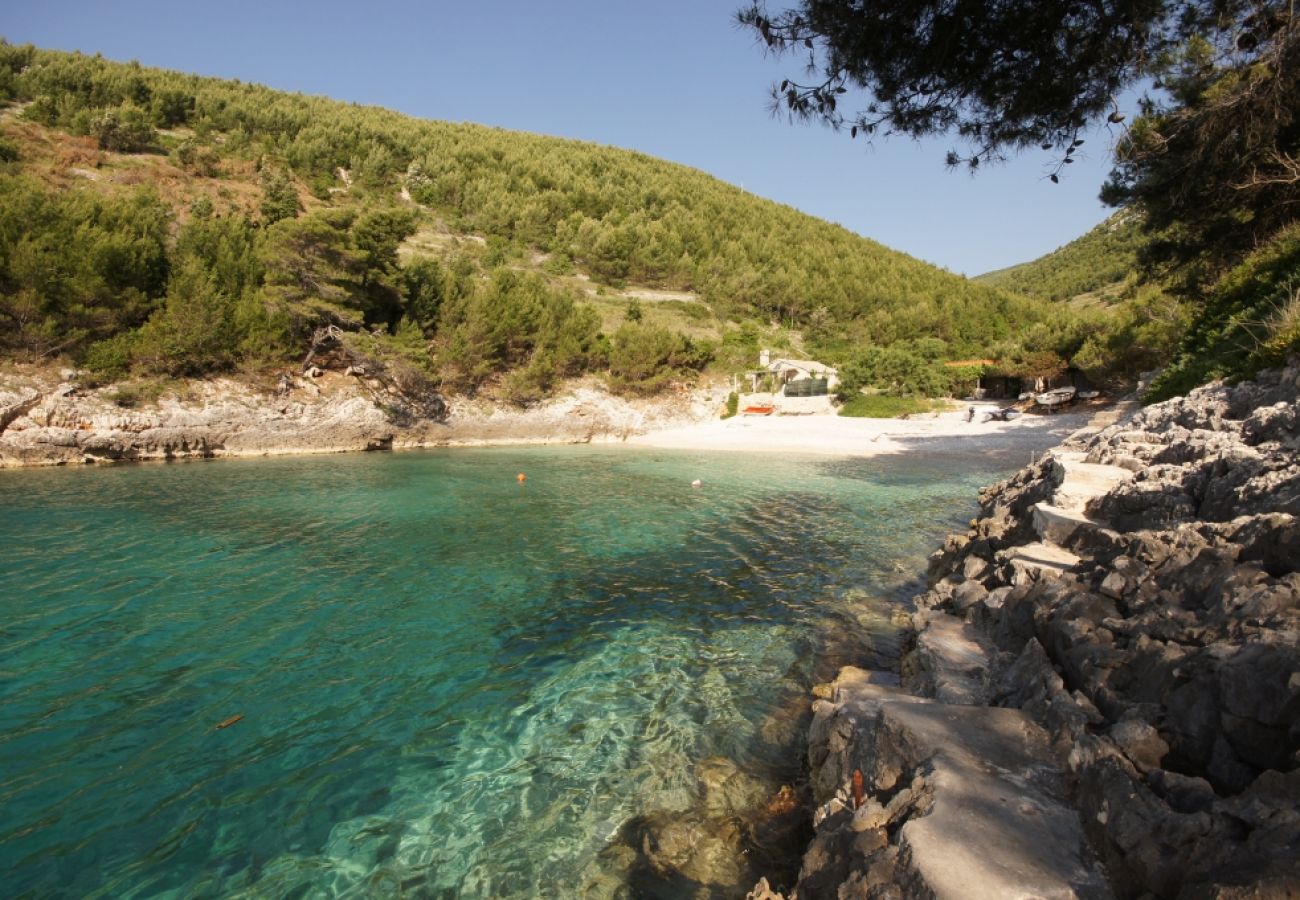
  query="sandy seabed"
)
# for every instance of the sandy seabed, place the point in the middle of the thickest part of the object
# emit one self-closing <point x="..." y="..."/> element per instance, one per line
<point x="947" y="432"/>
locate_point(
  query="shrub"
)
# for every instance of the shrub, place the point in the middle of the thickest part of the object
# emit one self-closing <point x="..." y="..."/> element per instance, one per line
<point x="644" y="360"/>
<point x="884" y="406"/>
<point x="279" y="196"/>
<point x="514" y="321"/>
<point x="894" y="370"/>
<point x="197" y="159"/>
<point x="1248" y="322"/>
<point x="194" y="332"/>
<point x="123" y="130"/>
<point x="109" y="358"/>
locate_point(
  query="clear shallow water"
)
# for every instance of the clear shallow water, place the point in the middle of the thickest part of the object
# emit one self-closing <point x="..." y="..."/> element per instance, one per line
<point x="451" y="684"/>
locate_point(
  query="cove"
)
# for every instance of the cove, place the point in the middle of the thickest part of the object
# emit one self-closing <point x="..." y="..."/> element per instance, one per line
<point x="434" y="680"/>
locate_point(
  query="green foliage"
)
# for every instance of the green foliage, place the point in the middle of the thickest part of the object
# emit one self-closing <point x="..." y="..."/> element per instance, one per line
<point x="885" y="406"/>
<point x="13" y="61"/>
<point x="558" y="264"/>
<point x="279" y="196"/>
<point x="1103" y="258"/>
<point x="228" y="248"/>
<point x="194" y="332"/>
<point x="111" y="357"/>
<point x="172" y="107"/>
<point x="961" y="381"/>
<point x="1145" y="331"/>
<point x="335" y="267"/>
<point x="618" y="215"/>
<point x="311" y="273"/>
<point x="1210" y="165"/>
<point x="425" y="284"/>
<point x="644" y="359"/>
<point x="1249" y="321"/>
<point x="76" y="267"/>
<point x="375" y="235"/>
<point x="125" y="130"/>
<point x="8" y="150"/>
<point x="978" y="71"/>
<point x="1213" y="165"/>
<point x="138" y="392"/>
<point x="897" y="370"/>
<point x="265" y="286"/>
<point x="733" y="405"/>
<point x="197" y="159"/>
<point x="1033" y="364"/>
<point x="514" y="321"/>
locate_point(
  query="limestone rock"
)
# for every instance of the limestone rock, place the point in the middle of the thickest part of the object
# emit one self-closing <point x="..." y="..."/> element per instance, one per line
<point x="966" y="801"/>
<point x="726" y="790"/>
<point x="43" y="422"/>
<point x="706" y="852"/>
<point x="950" y="662"/>
<point x="1150" y="627"/>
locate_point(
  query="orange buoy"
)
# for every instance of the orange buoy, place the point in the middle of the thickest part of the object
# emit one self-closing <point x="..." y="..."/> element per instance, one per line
<point x="521" y="478"/>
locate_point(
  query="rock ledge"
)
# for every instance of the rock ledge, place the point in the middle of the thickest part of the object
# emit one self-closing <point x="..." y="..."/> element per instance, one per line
<point x="1103" y="693"/>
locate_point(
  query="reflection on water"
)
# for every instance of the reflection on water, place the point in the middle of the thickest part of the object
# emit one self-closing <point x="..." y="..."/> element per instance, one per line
<point x="450" y="684"/>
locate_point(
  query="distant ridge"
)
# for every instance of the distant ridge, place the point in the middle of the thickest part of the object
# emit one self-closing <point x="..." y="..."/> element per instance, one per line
<point x="1094" y="264"/>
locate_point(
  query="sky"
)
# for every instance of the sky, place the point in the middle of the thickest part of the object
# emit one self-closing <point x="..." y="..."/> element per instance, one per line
<point x="676" y="79"/>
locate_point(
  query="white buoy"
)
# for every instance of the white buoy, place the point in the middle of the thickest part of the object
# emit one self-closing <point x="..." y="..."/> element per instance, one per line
<point x="696" y="483"/>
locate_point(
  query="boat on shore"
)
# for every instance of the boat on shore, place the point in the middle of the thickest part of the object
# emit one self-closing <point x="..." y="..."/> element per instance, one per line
<point x="1055" y="399"/>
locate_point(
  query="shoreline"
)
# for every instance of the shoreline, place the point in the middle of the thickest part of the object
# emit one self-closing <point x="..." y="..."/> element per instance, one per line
<point x="831" y="435"/>
<point x="49" y="421"/>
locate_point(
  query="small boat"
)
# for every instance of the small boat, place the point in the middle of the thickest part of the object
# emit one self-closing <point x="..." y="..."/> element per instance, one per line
<point x="1089" y="395"/>
<point x="758" y="410"/>
<point x="1055" y="398"/>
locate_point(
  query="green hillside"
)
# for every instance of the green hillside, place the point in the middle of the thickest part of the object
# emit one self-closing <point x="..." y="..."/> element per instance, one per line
<point x="164" y="223"/>
<point x="1191" y="322"/>
<point x="1092" y="267"/>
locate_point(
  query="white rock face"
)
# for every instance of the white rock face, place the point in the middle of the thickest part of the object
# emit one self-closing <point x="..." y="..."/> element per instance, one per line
<point x="44" y="422"/>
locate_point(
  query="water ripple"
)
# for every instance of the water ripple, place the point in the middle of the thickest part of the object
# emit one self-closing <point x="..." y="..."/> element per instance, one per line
<point x="435" y="680"/>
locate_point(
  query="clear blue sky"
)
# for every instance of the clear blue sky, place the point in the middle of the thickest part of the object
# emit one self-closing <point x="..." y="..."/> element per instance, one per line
<point x="674" y="79"/>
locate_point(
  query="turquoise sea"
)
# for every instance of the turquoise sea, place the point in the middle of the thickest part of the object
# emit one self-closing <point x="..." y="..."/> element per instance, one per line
<point x="451" y="684"/>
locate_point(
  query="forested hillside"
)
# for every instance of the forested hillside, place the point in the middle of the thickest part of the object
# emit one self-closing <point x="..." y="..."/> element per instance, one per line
<point x="1094" y="265"/>
<point x="1171" y="317"/>
<point x="157" y="222"/>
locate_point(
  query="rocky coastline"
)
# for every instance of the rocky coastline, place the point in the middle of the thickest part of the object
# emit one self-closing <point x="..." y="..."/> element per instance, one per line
<point x="47" y="418"/>
<point x="1101" y="697"/>
<point x="1101" y="691"/>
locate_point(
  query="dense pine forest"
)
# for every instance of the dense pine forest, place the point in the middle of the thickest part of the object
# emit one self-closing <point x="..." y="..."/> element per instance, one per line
<point x="155" y="223"/>
<point x="1092" y="267"/>
<point x="1199" y="318"/>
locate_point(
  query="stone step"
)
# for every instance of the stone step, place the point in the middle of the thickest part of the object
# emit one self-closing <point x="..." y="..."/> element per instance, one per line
<point x="950" y="661"/>
<point x="1042" y="558"/>
<point x="1082" y="481"/>
<point x="1057" y="525"/>
<point x="958" y="801"/>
